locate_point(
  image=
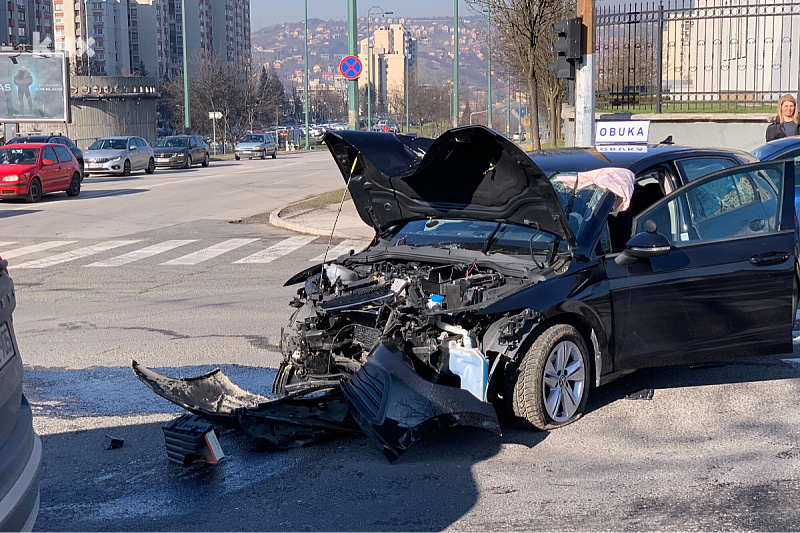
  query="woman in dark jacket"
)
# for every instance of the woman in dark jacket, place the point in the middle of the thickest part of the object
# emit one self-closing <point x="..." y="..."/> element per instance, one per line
<point x="785" y="124"/>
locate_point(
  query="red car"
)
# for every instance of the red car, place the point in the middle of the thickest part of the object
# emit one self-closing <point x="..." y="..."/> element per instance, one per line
<point x="30" y="170"/>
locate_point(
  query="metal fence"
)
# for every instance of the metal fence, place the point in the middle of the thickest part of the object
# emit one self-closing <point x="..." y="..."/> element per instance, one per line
<point x="697" y="55"/>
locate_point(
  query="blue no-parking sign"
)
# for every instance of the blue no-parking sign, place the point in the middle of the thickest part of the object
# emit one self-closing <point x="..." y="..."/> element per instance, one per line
<point x="350" y="67"/>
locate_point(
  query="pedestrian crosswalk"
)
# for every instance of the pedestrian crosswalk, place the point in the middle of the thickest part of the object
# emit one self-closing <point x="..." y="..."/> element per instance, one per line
<point x="174" y="252"/>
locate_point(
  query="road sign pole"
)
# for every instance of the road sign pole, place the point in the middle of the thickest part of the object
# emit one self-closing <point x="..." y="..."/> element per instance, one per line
<point x="352" y="49"/>
<point x="214" y="127"/>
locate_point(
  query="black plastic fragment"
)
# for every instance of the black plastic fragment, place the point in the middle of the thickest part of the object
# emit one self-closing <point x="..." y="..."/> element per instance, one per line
<point x="189" y="438"/>
<point x="703" y="366"/>
<point x="644" y="394"/>
<point x="112" y="443"/>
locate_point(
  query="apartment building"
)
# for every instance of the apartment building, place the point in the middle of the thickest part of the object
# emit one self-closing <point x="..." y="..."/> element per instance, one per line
<point x="119" y="37"/>
<point x="391" y="51"/>
<point x="26" y="18"/>
<point x="95" y="35"/>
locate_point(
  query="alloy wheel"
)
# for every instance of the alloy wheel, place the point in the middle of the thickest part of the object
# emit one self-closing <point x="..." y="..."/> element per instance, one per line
<point x="564" y="381"/>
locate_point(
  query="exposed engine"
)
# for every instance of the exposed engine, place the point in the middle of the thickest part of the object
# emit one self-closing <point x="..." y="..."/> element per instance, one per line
<point x="428" y="311"/>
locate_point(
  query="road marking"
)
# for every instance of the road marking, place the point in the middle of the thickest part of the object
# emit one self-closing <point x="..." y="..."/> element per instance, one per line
<point x="339" y="249"/>
<point x="75" y="254"/>
<point x="6" y="243"/>
<point x="141" y="254"/>
<point x="278" y="250"/>
<point x="26" y="250"/>
<point x="210" y="252"/>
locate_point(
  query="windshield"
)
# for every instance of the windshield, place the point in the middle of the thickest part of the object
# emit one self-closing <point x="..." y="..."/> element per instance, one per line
<point x="172" y="143"/>
<point x="491" y="237"/>
<point x="252" y="139"/>
<point x="19" y="156"/>
<point x="109" y="144"/>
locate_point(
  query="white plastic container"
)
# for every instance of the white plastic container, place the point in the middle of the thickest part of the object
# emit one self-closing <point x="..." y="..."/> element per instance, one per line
<point x="472" y="367"/>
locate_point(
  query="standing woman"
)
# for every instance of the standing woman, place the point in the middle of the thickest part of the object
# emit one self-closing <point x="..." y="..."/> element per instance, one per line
<point x="785" y="124"/>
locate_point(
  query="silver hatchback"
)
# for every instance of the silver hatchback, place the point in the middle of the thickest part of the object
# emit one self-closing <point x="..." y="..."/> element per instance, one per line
<point x="256" y="145"/>
<point x="119" y="155"/>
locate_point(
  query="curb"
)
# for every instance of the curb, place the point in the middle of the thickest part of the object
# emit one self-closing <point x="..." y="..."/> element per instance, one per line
<point x="276" y="220"/>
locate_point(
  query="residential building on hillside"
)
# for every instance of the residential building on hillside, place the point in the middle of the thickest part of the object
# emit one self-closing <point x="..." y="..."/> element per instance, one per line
<point x="95" y="34"/>
<point x="26" y="18"/>
<point x="231" y="30"/>
<point x="391" y="50"/>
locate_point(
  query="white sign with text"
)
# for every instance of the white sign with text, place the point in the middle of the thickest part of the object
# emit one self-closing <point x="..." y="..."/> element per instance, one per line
<point x="622" y="131"/>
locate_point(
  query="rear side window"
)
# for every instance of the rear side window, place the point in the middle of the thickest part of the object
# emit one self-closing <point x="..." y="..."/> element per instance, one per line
<point x="63" y="152"/>
<point x="142" y="142"/>
<point x="694" y="168"/>
<point x="50" y="154"/>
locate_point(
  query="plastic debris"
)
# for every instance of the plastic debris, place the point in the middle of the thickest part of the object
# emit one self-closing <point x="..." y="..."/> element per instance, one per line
<point x="644" y="394"/>
<point x="112" y="443"/>
<point x="189" y="438"/>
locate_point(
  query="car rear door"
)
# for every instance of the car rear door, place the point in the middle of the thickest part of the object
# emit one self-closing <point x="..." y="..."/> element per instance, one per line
<point x="66" y="161"/>
<point x="726" y="287"/>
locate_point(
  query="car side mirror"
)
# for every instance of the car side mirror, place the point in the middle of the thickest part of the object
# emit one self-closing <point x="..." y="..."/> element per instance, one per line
<point x="644" y="245"/>
<point x="48" y="162"/>
<point x="131" y="148"/>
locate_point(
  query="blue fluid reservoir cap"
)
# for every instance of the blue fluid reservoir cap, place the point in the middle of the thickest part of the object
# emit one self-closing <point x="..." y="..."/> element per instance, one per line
<point x="437" y="298"/>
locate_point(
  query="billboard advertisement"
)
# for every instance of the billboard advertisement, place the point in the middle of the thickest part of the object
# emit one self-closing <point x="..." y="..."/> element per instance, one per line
<point x="33" y="87"/>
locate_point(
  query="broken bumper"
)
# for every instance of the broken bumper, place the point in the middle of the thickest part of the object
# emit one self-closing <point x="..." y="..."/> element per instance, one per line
<point x="396" y="407"/>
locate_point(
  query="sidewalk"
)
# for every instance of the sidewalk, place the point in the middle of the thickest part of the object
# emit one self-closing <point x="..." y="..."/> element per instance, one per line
<point x="320" y="221"/>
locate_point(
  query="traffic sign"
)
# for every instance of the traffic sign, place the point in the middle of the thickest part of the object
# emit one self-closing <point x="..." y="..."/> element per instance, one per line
<point x="215" y="115"/>
<point x="350" y="67"/>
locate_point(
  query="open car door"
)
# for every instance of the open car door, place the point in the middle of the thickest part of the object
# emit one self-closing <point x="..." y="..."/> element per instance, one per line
<point x="725" y="286"/>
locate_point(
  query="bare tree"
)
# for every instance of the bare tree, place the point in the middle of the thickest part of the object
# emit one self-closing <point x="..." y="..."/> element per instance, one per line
<point x="524" y="38"/>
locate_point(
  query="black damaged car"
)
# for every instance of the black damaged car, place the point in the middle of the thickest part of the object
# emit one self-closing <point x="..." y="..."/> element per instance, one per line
<point x="493" y="287"/>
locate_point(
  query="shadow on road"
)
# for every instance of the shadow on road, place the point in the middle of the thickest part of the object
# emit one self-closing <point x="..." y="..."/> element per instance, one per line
<point x="14" y="213"/>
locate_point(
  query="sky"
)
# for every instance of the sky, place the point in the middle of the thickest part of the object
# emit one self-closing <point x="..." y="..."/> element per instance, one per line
<point x="268" y="12"/>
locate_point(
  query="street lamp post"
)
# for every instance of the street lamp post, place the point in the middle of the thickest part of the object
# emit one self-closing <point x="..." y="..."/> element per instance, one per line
<point x="489" y="60"/>
<point x="305" y="103"/>
<point x="187" y="117"/>
<point x="406" y="84"/>
<point x="455" y="63"/>
<point x="508" y="111"/>
<point x="369" y="65"/>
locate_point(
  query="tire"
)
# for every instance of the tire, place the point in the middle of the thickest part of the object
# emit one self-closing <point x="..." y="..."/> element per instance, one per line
<point x="83" y="171"/>
<point x="205" y="160"/>
<point x="151" y="166"/>
<point x="126" y="168"/>
<point x="188" y="162"/>
<point x="263" y="154"/>
<point x="275" y="153"/>
<point x="550" y="383"/>
<point x="34" y="191"/>
<point x="74" y="185"/>
<point x="236" y="157"/>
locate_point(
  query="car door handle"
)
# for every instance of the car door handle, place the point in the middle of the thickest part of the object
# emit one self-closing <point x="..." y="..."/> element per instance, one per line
<point x="769" y="258"/>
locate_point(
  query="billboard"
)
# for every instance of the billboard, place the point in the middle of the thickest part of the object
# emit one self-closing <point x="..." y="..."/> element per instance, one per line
<point x="34" y="87"/>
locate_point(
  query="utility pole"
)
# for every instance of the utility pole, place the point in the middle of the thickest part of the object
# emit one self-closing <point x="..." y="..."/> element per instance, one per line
<point x="455" y="63"/>
<point x="352" y="49"/>
<point x="489" y="62"/>
<point x="584" y="78"/>
<point x="187" y="118"/>
<point x="305" y="100"/>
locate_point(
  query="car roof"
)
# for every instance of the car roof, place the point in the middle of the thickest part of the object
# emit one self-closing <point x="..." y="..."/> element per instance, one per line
<point x="774" y="148"/>
<point x="583" y="159"/>
<point x="178" y="136"/>
<point x="27" y="145"/>
<point x="117" y="137"/>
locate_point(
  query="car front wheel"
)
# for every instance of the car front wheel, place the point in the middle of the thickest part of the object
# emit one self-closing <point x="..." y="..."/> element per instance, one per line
<point x="188" y="162"/>
<point x="126" y="168"/>
<point x="263" y="154"/>
<point x="275" y="153"/>
<point x="34" y="191"/>
<point x="151" y="166"/>
<point x="550" y="383"/>
<point x="205" y="160"/>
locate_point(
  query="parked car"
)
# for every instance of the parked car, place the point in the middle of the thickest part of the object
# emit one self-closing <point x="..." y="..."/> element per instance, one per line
<point x="30" y="170"/>
<point x="52" y="138"/>
<point x="181" y="151"/>
<point x="120" y="155"/>
<point x="256" y="145"/>
<point x="786" y="148"/>
<point x="494" y="284"/>
<point x="20" y="446"/>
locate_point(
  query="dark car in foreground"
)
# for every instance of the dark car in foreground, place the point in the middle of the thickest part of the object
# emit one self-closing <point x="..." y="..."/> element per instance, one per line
<point x="786" y="148"/>
<point x="20" y="447"/>
<point x="52" y="138"/>
<point x="181" y="151"/>
<point x="494" y="286"/>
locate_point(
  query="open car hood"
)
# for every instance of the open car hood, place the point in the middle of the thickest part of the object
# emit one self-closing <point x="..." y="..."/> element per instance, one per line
<point x="469" y="172"/>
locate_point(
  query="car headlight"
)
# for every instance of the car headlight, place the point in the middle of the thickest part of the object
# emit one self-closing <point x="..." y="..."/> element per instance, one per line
<point x="10" y="178"/>
<point x="115" y="158"/>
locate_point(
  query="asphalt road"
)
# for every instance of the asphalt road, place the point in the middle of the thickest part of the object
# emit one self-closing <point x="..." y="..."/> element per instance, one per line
<point x="160" y="268"/>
